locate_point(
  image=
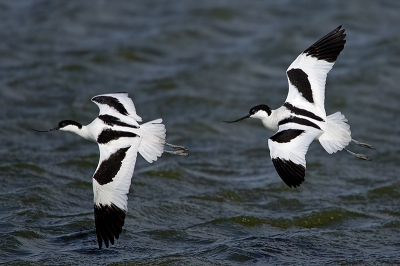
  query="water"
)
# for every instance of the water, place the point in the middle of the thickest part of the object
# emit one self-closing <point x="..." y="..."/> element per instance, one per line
<point x="196" y="63"/>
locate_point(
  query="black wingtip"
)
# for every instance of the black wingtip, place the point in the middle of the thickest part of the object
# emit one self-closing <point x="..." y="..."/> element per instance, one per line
<point x="109" y="220"/>
<point x="328" y="47"/>
<point x="291" y="173"/>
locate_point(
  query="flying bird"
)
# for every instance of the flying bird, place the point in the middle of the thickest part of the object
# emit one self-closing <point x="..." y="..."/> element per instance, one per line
<point x="302" y="117"/>
<point x="120" y="138"/>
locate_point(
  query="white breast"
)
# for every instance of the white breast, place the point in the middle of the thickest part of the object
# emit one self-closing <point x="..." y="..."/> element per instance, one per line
<point x="271" y="122"/>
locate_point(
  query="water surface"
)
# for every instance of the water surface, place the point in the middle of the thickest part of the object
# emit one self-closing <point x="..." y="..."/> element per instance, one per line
<point x="196" y="63"/>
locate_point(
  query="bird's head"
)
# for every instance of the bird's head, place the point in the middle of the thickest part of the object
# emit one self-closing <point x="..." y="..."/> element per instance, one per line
<point x="260" y="111"/>
<point x="65" y="125"/>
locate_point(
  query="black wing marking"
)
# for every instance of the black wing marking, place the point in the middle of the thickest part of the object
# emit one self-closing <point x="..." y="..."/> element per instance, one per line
<point x="108" y="135"/>
<point x="112" y="102"/>
<point x="109" y="168"/>
<point x="328" y="47"/>
<point x="109" y="220"/>
<point x="292" y="174"/>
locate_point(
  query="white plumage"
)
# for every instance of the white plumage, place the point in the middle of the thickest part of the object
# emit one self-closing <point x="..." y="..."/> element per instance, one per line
<point x="317" y="71"/>
<point x="302" y="118"/>
<point x="120" y="137"/>
<point x="337" y="134"/>
<point x="125" y="101"/>
<point x="152" y="141"/>
<point x="296" y="149"/>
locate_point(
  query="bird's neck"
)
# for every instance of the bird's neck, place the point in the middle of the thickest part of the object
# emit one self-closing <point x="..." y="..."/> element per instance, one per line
<point x="271" y="121"/>
<point x="83" y="132"/>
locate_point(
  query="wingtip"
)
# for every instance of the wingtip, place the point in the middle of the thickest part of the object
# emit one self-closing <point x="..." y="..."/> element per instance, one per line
<point x="290" y="173"/>
<point x="99" y="242"/>
<point x="328" y="47"/>
<point x="109" y="220"/>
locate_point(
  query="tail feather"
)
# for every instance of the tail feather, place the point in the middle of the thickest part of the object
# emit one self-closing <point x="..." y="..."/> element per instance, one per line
<point x="153" y="140"/>
<point x="337" y="134"/>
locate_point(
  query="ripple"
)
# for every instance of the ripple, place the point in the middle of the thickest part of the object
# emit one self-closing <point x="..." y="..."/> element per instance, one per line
<point x="196" y="63"/>
<point x="169" y="174"/>
<point x="27" y="234"/>
<point x="324" y="218"/>
<point x="73" y="67"/>
<point x="130" y="55"/>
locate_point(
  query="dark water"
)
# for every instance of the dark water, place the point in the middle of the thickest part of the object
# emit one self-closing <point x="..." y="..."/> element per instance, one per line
<point x="196" y="63"/>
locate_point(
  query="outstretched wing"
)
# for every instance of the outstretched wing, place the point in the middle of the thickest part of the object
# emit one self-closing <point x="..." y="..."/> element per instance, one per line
<point x="307" y="74"/>
<point x="111" y="182"/>
<point x="288" y="148"/>
<point x="118" y="105"/>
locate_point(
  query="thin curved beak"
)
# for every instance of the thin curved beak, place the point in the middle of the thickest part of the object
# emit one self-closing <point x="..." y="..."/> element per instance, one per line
<point x="56" y="128"/>
<point x="240" y="119"/>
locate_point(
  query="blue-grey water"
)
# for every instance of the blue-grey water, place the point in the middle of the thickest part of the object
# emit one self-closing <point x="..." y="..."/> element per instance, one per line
<point x="196" y="63"/>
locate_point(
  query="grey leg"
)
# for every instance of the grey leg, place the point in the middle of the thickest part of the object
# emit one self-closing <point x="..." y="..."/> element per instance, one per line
<point x="359" y="156"/>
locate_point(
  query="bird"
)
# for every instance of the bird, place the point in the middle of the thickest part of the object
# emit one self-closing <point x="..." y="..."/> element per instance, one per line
<point x="302" y="117"/>
<point x="120" y="138"/>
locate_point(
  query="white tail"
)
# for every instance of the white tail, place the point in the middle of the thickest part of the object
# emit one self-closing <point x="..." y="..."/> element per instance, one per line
<point x="337" y="134"/>
<point x="153" y="140"/>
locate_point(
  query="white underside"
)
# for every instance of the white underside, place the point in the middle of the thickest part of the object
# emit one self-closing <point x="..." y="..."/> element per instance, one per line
<point x="317" y="71"/>
<point x="296" y="149"/>
<point x="337" y="134"/>
<point x="149" y="143"/>
<point x="152" y="140"/>
<point x="117" y="190"/>
<point x="334" y="135"/>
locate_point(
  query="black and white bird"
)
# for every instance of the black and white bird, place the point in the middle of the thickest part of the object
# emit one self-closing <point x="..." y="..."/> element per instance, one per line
<point x="120" y="137"/>
<point x="302" y="117"/>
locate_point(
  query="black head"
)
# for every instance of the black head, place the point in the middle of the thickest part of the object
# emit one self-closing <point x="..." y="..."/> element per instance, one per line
<point x="253" y="111"/>
<point x="65" y="123"/>
<point x="260" y="107"/>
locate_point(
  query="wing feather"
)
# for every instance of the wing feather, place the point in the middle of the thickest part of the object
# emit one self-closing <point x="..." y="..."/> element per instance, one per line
<point x="117" y="104"/>
<point x="288" y="148"/>
<point x="313" y="65"/>
<point x="110" y="192"/>
<point x="120" y="140"/>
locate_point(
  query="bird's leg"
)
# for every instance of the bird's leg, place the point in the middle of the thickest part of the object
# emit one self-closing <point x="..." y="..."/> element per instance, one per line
<point x="178" y="150"/>
<point x="175" y="146"/>
<point x="361" y="144"/>
<point x="359" y="156"/>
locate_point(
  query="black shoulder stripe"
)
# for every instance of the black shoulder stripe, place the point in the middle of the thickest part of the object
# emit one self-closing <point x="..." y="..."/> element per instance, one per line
<point x="112" y="120"/>
<point x="292" y="174"/>
<point x="109" y="168"/>
<point x="328" y="47"/>
<point x="108" y="135"/>
<point x="299" y="111"/>
<point x="112" y="102"/>
<point x="287" y="135"/>
<point x="298" y="120"/>
<point x="109" y="220"/>
<point x="299" y="79"/>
